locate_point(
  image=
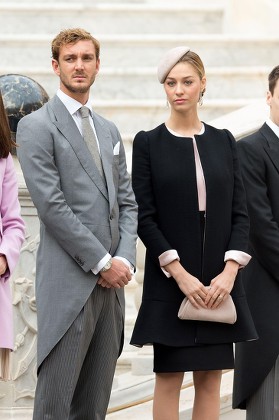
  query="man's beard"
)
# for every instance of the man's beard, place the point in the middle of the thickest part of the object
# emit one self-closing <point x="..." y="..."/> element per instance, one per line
<point x="78" y="88"/>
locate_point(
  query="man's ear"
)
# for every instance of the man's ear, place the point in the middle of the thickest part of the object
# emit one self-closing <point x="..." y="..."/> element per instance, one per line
<point x="268" y="97"/>
<point x="55" y="66"/>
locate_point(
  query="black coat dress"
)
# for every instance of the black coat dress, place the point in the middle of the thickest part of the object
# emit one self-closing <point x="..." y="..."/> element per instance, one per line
<point x="259" y="156"/>
<point x="164" y="181"/>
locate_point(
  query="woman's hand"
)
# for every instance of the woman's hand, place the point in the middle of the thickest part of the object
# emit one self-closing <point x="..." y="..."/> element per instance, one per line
<point x="3" y="264"/>
<point x="195" y="291"/>
<point x="221" y="286"/>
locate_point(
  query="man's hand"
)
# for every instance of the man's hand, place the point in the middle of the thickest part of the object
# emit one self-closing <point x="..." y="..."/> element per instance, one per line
<point x="117" y="276"/>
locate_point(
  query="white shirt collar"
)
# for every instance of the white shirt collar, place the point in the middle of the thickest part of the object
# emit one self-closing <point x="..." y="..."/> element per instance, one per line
<point x="71" y="104"/>
<point x="179" y="135"/>
<point x="274" y="127"/>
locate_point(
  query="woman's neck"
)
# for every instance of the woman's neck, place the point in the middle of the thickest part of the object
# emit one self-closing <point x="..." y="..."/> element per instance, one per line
<point x="185" y="125"/>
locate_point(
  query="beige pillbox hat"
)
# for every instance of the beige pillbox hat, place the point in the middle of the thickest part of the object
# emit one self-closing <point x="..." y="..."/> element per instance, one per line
<point x="169" y="60"/>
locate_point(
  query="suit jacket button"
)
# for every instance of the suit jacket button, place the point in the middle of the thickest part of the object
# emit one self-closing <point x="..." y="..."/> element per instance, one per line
<point x="111" y="217"/>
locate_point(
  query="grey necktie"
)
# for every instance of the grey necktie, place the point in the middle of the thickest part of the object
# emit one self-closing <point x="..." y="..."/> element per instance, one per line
<point x="90" y="139"/>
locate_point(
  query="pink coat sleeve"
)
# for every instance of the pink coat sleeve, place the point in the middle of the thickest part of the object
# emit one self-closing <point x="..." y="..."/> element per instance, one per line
<point x="11" y="238"/>
<point x="11" y="223"/>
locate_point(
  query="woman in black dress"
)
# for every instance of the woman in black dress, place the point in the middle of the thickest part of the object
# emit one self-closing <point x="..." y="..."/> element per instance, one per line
<point x="193" y="222"/>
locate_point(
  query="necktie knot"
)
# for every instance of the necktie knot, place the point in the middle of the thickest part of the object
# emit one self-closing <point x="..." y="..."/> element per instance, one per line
<point x="84" y="112"/>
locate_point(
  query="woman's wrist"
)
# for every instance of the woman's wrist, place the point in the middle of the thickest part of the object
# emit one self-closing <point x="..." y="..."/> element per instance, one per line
<point x="176" y="271"/>
<point x="231" y="267"/>
<point x="174" y="268"/>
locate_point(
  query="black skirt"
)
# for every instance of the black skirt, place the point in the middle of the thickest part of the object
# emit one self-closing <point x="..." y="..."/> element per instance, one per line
<point x="193" y="358"/>
<point x="188" y="359"/>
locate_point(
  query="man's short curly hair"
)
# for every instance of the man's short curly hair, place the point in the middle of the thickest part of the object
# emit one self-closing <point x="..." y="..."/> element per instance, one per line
<point x="71" y="36"/>
<point x="272" y="79"/>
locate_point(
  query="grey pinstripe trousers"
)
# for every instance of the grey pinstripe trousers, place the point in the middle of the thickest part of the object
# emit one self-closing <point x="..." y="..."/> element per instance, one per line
<point x="74" y="381"/>
<point x="264" y="404"/>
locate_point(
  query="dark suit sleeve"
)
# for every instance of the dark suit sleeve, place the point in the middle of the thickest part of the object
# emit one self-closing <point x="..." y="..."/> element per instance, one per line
<point x="264" y="233"/>
<point x="148" y="228"/>
<point x="240" y="220"/>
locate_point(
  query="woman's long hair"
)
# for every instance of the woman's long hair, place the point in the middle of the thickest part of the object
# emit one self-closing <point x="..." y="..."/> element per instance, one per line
<point x="6" y="142"/>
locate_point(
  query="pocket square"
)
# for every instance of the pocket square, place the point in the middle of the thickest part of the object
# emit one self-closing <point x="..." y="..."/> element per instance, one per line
<point x="116" y="149"/>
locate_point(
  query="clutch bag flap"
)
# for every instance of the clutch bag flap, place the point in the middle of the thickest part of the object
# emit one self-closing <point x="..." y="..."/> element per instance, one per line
<point x="225" y="312"/>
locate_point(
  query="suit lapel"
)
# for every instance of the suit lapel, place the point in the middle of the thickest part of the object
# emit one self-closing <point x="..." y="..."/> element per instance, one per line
<point x="272" y="147"/>
<point x="66" y="125"/>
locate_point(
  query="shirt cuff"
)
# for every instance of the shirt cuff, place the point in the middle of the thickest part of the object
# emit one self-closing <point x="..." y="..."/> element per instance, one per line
<point x="101" y="264"/>
<point x="166" y="258"/>
<point x="239" y="256"/>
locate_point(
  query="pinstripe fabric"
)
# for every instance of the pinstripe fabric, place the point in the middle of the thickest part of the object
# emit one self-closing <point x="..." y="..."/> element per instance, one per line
<point x="75" y="380"/>
<point x="264" y="404"/>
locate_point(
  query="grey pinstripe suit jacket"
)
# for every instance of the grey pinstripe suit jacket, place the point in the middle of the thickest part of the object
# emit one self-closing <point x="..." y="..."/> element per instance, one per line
<point x="81" y="219"/>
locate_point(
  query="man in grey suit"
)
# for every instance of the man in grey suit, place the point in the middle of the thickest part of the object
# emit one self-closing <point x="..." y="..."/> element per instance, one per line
<point x="87" y="245"/>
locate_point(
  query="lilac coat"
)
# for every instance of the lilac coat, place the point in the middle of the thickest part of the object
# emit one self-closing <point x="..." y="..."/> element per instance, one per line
<point x="11" y="238"/>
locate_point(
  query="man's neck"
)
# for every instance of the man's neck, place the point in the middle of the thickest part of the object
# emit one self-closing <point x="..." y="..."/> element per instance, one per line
<point x="79" y="97"/>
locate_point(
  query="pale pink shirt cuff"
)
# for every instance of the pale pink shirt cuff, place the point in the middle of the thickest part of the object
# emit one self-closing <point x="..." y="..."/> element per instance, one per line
<point x="242" y="258"/>
<point x="239" y="256"/>
<point x="166" y="258"/>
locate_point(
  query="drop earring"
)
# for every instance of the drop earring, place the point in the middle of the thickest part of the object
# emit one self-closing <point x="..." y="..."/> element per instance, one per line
<point x="200" y="99"/>
<point x="200" y="102"/>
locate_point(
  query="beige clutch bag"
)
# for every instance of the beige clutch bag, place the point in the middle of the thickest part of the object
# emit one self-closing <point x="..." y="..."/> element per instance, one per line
<point x="225" y="312"/>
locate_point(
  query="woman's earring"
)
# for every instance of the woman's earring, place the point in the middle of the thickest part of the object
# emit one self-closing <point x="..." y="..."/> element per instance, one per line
<point x="167" y="104"/>
<point x="201" y="99"/>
